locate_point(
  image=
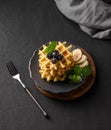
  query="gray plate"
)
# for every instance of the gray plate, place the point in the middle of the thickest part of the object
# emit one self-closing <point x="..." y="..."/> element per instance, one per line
<point x="53" y="87"/>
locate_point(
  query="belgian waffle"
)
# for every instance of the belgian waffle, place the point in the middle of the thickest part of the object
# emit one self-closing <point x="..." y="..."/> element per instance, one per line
<point x="57" y="71"/>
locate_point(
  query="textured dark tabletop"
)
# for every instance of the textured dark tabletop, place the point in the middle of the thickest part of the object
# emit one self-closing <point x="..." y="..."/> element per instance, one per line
<point x="25" y="26"/>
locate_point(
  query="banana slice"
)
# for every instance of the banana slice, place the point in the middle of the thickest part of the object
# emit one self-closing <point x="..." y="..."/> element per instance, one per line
<point x="84" y="64"/>
<point x="77" y="54"/>
<point x="83" y="59"/>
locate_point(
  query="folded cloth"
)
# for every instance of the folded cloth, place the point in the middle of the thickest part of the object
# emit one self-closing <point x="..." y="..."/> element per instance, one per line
<point x="93" y="16"/>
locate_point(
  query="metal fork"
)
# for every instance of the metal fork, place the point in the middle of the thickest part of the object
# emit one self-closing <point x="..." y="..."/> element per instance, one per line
<point x="13" y="71"/>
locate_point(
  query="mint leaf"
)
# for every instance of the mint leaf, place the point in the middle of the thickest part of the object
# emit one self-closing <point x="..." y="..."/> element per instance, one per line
<point x="76" y="74"/>
<point x="51" y="47"/>
<point x="86" y="70"/>
<point x="77" y="70"/>
<point x="75" y="79"/>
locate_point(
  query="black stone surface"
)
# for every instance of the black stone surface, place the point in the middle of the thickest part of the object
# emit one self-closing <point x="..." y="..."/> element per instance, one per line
<point x="25" y="26"/>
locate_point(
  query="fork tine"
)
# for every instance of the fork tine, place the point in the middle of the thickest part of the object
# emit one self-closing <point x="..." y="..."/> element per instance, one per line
<point x="12" y="69"/>
<point x="9" y="68"/>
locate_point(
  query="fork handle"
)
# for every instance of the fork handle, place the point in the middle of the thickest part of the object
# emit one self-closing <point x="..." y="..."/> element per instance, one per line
<point x="33" y="98"/>
<point x="29" y="93"/>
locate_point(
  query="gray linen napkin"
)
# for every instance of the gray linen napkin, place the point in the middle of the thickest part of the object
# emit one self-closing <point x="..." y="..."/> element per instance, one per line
<point x="93" y="16"/>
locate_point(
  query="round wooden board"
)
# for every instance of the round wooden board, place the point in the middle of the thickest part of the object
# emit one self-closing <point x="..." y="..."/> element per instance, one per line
<point x="78" y="92"/>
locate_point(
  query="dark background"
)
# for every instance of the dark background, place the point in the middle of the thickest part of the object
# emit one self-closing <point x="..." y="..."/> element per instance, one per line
<point x="25" y="26"/>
